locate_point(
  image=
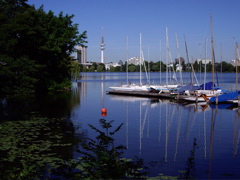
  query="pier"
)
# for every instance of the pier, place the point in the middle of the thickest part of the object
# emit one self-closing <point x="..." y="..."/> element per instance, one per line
<point x="177" y="97"/>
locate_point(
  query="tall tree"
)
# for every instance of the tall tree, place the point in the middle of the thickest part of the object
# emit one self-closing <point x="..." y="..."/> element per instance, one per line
<point x="43" y="40"/>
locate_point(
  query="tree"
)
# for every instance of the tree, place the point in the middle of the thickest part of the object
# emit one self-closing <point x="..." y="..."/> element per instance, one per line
<point x="85" y="69"/>
<point x="225" y="67"/>
<point x="92" y="69"/>
<point x="196" y="66"/>
<point x="209" y="67"/>
<point x="118" y="68"/>
<point x="95" y="65"/>
<point x="99" y="69"/>
<point x="45" y="42"/>
<point x="112" y="69"/>
<point x="103" y="65"/>
<point x="132" y="68"/>
<point x="75" y="69"/>
<point x="154" y="68"/>
<point x="184" y="67"/>
<point x="19" y="77"/>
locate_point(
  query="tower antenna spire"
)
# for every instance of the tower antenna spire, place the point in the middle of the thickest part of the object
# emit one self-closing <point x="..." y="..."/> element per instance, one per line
<point x="102" y="46"/>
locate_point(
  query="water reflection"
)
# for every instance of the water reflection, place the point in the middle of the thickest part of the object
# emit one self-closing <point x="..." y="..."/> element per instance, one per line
<point x="36" y="132"/>
<point x="166" y="130"/>
<point x="155" y="129"/>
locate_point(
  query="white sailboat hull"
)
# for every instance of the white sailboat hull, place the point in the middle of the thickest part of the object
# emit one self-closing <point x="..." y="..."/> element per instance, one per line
<point x="130" y="88"/>
<point x="198" y="95"/>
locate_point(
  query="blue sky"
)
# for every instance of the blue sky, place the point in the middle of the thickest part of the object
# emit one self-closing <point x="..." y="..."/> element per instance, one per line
<point x="129" y="18"/>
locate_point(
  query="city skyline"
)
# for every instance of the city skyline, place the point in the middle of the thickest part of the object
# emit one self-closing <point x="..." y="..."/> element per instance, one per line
<point x="127" y="19"/>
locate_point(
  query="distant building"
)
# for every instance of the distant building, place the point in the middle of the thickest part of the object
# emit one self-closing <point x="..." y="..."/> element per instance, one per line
<point x="82" y="54"/>
<point x="178" y="68"/>
<point x="134" y="60"/>
<point x="181" y="60"/>
<point x="233" y="62"/>
<point x="120" y="62"/>
<point x="111" y="64"/>
<point x="204" y="61"/>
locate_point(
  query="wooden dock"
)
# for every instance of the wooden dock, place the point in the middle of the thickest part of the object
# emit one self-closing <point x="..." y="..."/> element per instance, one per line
<point x="148" y="94"/>
<point x="176" y="97"/>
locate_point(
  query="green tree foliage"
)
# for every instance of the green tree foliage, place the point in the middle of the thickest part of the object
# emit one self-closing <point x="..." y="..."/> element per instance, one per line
<point x="118" y="69"/>
<point x="43" y="41"/>
<point x="19" y="77"/>
<point x="112" y="69"/>
<point x="84" y="69"/>
<point x="92" y="69"/>
<point x="184" y="67"/>
<point x="95" y="65"/>
<point x="209" y="67"/>
<point x="103" y="66"/>
<point x="155" y="68"/>
<point x="225" y="67"/>
<point x="196" y="66"/>
<point x="99" y="69"/>
<point x="75" y="69"/>
<point x="132" y="68"/>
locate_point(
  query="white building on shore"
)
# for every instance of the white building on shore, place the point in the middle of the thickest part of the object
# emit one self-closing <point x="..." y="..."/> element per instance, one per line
<point x="111" y="64"/>
<point x="134" y="60"/>
<point x="204" y="61"/>
<point x="233" y="62"/>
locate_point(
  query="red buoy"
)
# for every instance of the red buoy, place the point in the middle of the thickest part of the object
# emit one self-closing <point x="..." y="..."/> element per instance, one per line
<point x="104" y="112"/>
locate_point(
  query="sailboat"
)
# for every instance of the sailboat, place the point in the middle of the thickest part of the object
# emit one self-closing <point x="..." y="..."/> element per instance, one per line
<point x="166" y="88"/>
<point x="129" y="86"/>
<point x="231" y="96"/>
<point x="205" y="94"/>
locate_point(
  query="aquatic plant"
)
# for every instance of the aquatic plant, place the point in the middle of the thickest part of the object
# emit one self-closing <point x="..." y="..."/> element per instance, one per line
<point x="189" y="172"/>
<point x="30" y="149"/>
<point x="101" y="159"/>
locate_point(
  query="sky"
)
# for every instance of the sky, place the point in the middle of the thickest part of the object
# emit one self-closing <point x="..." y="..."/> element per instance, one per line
<point x="124" y="20"/>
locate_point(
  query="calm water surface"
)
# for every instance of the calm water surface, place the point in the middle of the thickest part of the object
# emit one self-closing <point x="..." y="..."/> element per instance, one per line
<point x="158" y="130"/>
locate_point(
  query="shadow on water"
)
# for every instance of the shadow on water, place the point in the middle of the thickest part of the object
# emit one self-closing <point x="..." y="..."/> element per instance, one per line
<point x="36" y="133"/>
<point x="48" y="105"/>
<point x="28" y="148"/>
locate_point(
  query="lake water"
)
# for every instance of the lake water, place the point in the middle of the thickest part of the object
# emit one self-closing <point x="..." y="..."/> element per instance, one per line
<point x="156" y="130"/>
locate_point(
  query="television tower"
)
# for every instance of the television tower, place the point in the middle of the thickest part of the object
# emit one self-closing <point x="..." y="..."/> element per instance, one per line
<point x="102" y="47"/>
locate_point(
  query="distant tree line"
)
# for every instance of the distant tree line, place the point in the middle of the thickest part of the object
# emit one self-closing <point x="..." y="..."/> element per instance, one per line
<point x="35" y="48"/>
<point x="156" y="66"/>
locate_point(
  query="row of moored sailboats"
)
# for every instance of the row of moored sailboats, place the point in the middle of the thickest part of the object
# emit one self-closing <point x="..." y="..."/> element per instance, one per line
<point x="206" y="92"/>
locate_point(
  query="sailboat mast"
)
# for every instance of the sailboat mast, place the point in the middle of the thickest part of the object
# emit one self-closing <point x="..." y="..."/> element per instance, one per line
<point x="167" y="56"/>
<point x="148" y="67"/>
<point x="205" y="65"/>
<point x="179" y="61"/>
<point x="140" y="61"/>
<point x="160" y="65"/>
<point x="236" y="62"/>
<point x="188" y="58"/>
<point x="213" y="54"/>
<point x="127" y="60"/>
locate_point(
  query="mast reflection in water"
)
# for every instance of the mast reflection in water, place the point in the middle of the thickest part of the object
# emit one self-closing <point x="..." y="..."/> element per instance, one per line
<point x="163" y="131"/>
